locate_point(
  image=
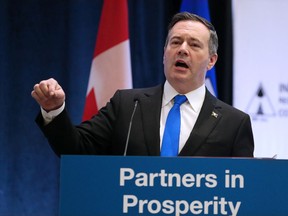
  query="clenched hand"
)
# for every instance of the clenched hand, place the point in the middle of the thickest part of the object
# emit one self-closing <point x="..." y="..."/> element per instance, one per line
<point x="48" y="94"/>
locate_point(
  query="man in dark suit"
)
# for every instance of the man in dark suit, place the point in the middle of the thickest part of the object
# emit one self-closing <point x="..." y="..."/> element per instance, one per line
<point x="209" y="127"/>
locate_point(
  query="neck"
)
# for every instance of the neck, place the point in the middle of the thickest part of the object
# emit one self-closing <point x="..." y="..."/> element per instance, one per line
<point x="183" y="88"/>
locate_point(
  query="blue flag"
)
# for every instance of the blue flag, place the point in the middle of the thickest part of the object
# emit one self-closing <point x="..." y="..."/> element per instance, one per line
<point x="201" y="8"/>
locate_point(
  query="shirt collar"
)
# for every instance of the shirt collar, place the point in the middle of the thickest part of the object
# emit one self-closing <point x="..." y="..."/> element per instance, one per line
<point x="195" y="97"/>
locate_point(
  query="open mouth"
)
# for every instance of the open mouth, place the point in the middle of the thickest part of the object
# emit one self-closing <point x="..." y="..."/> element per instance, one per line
<point x="181" y="64"/>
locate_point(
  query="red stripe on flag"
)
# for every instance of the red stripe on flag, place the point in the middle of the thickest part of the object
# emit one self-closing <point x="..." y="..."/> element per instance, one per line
<point x="91" y="105"/>
<point x="111" y="57"/>
<point x="113" y="27"/>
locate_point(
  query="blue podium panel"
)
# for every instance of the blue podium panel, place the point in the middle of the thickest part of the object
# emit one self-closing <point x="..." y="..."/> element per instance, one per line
<point x="112" y="185"/>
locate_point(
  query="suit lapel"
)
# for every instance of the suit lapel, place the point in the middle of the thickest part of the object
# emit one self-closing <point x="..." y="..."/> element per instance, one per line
<point x="150" y="103"/>
<point x="206" y="122"/>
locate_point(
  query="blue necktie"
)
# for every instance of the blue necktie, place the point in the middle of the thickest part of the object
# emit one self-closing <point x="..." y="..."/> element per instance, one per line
<point x="170" y="143"/>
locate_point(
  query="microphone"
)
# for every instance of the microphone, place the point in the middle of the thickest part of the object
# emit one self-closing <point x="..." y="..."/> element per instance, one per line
<point x="130" y="125"/>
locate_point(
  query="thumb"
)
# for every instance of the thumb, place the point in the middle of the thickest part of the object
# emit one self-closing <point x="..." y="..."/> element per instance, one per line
<point x="56" y="92"/>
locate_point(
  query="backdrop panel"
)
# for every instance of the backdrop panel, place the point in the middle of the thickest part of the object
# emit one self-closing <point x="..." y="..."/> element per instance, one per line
<point x="260" y="74"/>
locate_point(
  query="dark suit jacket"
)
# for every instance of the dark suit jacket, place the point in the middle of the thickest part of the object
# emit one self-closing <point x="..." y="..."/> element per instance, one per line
<point x="220" y="130"/>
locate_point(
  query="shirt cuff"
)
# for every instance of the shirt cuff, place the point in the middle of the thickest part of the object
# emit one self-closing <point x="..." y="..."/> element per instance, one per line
<point x="49" y="116"/>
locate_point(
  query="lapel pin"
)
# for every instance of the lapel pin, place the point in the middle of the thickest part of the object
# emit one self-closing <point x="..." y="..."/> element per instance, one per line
<point x="214" y="114"/>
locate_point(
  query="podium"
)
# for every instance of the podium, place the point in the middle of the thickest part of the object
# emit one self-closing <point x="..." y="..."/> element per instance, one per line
<point x="132" y="185"/>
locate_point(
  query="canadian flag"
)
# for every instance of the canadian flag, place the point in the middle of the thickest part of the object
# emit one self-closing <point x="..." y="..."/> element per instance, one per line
<point x="111" y="64"/>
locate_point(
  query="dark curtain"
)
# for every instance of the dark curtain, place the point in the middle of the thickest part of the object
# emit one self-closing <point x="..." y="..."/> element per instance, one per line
<point x="221" y="17"/>
<point x="40" y="39"/>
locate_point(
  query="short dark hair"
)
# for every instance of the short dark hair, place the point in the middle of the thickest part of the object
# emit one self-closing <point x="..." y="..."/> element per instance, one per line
<point x="182" y="16"/>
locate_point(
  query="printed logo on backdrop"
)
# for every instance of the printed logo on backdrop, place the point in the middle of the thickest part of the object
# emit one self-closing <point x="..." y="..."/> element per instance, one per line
<point x="261" y="107"/>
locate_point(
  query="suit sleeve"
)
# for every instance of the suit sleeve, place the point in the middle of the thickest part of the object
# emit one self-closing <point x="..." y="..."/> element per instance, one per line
<point x="90" y="137"/>
<point x="244" y="141"/>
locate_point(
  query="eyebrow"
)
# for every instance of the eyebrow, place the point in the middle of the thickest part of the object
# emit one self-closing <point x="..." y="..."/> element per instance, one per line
<point x="190" y="39"/>
<point x="197" y="40"/>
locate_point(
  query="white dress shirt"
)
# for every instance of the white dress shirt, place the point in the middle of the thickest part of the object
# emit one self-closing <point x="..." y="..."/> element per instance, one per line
<point x="49" y="116"/>
<point x="189" y="111"/>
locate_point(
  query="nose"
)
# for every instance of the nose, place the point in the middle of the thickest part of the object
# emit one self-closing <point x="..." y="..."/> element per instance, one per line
<point x="183" y="49"/>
